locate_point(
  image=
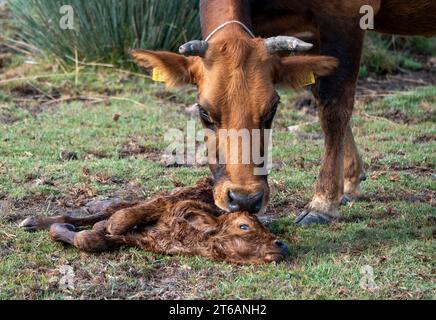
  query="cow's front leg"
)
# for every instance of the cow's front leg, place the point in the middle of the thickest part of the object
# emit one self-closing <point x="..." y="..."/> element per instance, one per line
<point x="335" y="95"/>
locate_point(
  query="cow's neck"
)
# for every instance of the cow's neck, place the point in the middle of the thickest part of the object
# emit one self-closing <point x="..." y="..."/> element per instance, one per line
<point x="215" y="12"/>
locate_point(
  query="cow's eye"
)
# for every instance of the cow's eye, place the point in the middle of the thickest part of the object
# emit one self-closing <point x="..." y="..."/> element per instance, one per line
<point x="244" y="227"/>
<point x="204" y="115"/>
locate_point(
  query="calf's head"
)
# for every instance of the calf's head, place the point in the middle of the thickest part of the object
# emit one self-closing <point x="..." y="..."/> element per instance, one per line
<point x="237" y="237"/>
<point x="245" y="239"/>
<point x="237" y="102"/>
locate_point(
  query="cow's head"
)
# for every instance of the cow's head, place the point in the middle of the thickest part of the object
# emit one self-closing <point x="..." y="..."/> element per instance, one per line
<point x="236" y="81"/>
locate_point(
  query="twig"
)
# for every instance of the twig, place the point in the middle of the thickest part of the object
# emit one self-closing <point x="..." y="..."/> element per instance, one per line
<point x="378" y="118"/>
<point x="10" y="236"/>
<point x="104" y="65"/>
<point x="76" y="55"/>
<point x="27" y="53"/>
<point x="40" y="91"/>
<point x="95" y="99"/>
<point x="80" y="98"/>
<point x="420" y="81"/>
<point x="40" y="76"/>
<point x="129" y="100"/>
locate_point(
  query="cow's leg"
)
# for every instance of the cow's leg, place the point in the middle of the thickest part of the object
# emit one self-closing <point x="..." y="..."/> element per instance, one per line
<point x="354" y="172"/>
<point x="342" y="39"/>
<point x="94" y="240"/>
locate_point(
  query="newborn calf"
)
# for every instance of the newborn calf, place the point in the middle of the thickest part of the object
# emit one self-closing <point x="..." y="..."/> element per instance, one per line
<point x="186" y="221"/>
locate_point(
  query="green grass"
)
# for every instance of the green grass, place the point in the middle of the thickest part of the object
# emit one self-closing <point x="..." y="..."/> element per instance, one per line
<point x="385" y="54"/>
<point x="392" y="230"/>
<point x="116" y="26"/>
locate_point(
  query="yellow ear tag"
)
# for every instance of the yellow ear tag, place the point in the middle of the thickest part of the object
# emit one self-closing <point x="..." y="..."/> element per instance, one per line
<point x="157" y="75"/>
<point x="310" y="79"/>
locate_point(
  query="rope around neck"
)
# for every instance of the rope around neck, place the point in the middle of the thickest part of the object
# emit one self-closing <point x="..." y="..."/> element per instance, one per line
<point x="221" y="26"/>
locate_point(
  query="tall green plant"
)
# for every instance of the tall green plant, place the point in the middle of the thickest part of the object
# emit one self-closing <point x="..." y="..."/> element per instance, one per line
<point x="104" y="30"/>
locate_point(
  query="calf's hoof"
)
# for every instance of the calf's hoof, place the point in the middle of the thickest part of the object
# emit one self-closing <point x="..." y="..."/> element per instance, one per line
<point x="311" y="217"/>
<point x="33" y="224"/>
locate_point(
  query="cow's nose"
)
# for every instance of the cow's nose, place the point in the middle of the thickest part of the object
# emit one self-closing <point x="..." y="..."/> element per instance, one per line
<point x="245" y="202"/>
<point x="282" y="246"/>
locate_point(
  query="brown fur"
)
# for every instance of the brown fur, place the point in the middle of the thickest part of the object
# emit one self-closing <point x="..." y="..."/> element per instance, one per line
<point x="183" y="222"/>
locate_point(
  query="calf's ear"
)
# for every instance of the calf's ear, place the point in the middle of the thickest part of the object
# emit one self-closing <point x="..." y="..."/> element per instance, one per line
<point x="171" y="68"/>
<point x="201" y="221"/>
<point x="299" y="71"/>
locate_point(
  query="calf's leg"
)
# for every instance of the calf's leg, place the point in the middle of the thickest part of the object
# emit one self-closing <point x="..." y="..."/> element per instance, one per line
<point x="37" y="223"/>
<point x="94" y="240"/>
<point x="126" y="219"/>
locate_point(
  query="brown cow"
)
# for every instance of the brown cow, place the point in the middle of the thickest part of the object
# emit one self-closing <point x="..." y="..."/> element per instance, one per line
<point x="236" y="77"/>
<point x="183" y="222"/>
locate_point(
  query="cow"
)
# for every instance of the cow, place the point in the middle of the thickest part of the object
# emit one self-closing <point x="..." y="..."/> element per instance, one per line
<point x="186" y="221"/>
<point x="236" y="75"/>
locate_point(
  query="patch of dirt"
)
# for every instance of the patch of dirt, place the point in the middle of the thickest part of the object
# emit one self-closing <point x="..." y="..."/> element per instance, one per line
<point x="428" y="137"/>
<point x="378" y="169"/>
<point x="5" y="59"/>
<point x="431" y="221"/>
<point x="398" y="116"/>
<point x="98" y="154"/>
<point x="134" y="149"/>
<point x="426" y="196"/>
<point x="376" y="87"/>
<point x="306" y="104"/>
<point x="12" y="211"/>
<point x="168" y="96"/>
<point x="173" y="281"/>
<point x="66" y="155"/>
<point x="7" y="118"/>
<point x="395" y="115"/>
<point x="31" y="92"/>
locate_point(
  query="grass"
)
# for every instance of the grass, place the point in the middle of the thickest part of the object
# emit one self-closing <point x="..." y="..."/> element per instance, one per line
<point x="392" y="229"/>
<point x="385" y="54"/>
<point x="116" y="26"/>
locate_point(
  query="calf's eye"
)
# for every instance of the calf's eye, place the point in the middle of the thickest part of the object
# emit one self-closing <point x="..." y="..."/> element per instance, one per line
<point x="244" y="227"/>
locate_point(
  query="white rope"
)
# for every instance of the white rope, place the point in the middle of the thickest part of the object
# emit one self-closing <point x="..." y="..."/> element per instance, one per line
<point x="226" y="23"/>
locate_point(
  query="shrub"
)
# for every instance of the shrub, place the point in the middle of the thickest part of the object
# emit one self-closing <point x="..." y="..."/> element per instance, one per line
<point x="386" y="54"/>
<point x="104" y="31"/>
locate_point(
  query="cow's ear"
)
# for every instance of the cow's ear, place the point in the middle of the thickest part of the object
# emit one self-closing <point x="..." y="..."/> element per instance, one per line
<point x="171" y="68"/>
<point x="299" y="71"/>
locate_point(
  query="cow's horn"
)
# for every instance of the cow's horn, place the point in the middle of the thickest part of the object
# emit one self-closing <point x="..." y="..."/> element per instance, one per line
<point x="285" y="43"/>
<point x="194" y="48"/>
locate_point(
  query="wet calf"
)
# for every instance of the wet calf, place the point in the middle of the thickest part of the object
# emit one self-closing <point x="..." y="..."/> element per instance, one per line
<point x="186" y="221"/>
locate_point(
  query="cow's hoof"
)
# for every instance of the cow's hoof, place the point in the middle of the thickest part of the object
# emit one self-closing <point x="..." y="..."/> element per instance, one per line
<point x="347" y="198"/>
<point x="31" y="224"/>
<point x="310" y="217"/>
